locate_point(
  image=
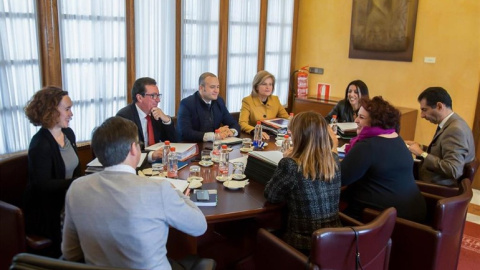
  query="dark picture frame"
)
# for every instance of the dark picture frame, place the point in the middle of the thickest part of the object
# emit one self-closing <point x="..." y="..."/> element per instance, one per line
<point x="383" y="29"/>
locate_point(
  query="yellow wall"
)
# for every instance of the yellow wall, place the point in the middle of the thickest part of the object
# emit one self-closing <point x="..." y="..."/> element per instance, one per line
<point x="447" y="30"/>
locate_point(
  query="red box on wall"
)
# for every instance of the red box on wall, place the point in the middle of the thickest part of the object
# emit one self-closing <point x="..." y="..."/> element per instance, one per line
<point x="323" y="90"/>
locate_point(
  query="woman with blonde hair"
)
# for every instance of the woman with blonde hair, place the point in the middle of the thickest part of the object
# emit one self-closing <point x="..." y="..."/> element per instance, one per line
<point x="308" y="180"/>
<point x="261" y="104"/>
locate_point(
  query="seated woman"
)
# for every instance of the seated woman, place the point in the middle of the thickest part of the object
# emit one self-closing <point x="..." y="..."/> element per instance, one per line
<point x="346" y="109"/>
<point x="52" y="164"/>
<point x="261" y="104"/>
<point x="378" y="167"/>
<point x="308" y="180"/>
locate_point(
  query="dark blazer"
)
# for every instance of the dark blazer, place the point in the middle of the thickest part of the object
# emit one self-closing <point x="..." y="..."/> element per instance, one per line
<point x="451" y="148"/>
<point x="161" y="131"/>
<point x="340" y="111"/>
<point x="192" y="114"/>
<point x="47" y="186"/>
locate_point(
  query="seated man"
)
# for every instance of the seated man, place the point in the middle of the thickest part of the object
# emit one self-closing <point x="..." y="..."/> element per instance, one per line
<point x="452" y="145"/>
<point x="153" y="125"/>
<point x="203" y="112"/>
<point x="116" y="218"/>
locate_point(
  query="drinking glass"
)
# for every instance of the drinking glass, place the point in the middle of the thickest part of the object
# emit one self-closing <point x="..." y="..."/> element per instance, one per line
<point x="247" y="143"/>
<point x="194" y="172"/>
<point x="206" y="156"/>
<point x="238" y="169"/>
<point x="157" y="169"/>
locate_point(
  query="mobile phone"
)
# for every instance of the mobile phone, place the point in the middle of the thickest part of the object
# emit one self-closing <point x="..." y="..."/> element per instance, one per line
<point x="202" y="195"/>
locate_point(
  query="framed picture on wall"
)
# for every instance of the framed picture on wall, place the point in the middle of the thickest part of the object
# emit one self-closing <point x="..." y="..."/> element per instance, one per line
<point x="383" y="29"/>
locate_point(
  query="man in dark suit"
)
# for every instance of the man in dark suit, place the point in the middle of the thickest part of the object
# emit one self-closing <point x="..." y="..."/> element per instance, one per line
<point x="143" y="111"/>
<point x="452" y="145"/>
<point x="203" y="112"/>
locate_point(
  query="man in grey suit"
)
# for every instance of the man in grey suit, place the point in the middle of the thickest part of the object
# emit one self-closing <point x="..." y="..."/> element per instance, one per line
<point x="452" y="145"/>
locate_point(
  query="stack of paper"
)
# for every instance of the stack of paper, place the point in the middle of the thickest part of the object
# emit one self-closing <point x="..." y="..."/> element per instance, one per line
<point x="276" y="125"/>
<point x="262" y="164"/>
<point x="231" y="140"/>
<point x="347" y="130"/>
<point x="183" y="150"/>
<point x="95" y="165"/>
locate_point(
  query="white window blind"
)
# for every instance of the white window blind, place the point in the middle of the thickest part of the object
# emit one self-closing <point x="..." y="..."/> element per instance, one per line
<point x="93" y="52"/>
<point x="243" y="31"/>
<point x="200" y="37"/>
<point x="279" y="45"/>
<point x="155" y="47"/>
<point x="19" y="72"/>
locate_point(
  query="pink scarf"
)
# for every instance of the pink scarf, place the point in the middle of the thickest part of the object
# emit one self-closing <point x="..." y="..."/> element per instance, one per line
<point x="368" y="132"/>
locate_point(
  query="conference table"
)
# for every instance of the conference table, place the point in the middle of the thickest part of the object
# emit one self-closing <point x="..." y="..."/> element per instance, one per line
<point x="232" y="205"/>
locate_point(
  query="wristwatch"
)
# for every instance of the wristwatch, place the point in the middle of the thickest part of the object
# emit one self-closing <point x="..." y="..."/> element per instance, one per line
<point x="424" y="155"/>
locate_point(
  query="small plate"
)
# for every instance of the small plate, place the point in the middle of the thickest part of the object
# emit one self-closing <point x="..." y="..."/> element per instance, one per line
<point x="205" y="164"/>
<point x="238" y="176"/>
<point x="149" y="172"/>
<point x="195" y="184"/>
<point x="234" y="184"/>
<point x="221" y="179"/>
<point x="246" y="150"/>
<point x="229" y="149"/>
<point x="195" y="178"/>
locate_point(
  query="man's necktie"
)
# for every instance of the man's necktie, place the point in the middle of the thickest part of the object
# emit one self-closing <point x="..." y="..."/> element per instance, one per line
<point x="151" y="137"/>
<point x="430" y="145"/>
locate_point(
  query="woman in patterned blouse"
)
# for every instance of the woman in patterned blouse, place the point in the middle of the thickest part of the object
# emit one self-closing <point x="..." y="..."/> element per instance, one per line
<point x="308" y="180"/>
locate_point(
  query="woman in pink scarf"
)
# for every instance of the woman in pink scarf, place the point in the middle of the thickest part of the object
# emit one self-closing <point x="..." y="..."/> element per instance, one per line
<point x="378" y="167"/>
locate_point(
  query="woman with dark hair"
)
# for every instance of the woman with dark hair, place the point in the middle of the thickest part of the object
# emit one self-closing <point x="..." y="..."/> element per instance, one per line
<point x="378" y="167"/>
<point x="52" y="164"/>
<point x="346" y="109"/>
<point x="308" y="180"/>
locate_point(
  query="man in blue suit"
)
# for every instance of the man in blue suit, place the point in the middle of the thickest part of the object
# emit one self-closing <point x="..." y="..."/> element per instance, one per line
<point x="203" y="112"/>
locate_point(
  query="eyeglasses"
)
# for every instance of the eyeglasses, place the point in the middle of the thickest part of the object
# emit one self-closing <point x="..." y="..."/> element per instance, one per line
<point x="153" y="96"/>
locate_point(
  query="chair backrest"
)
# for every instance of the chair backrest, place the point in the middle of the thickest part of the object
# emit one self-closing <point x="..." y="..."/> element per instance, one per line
<point x="449" y="219"/>
<point x="26" y="261"/>
<point x="335" y="248"/>
<point x="12" y="233"/>
<point x="13" y="179"/>
<point x="436" y="245"/>
<point x="470" y="169"/>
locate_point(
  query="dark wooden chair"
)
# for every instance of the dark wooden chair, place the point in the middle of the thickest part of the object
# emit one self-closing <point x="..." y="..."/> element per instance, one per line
<point x="332" y="248"/>
<point x="435" y="245"/>
<point x="469" y="171"/>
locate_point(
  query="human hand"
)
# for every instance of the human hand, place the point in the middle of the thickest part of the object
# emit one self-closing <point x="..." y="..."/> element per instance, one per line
<point x="225" y="132"/>
<point x="265" y="136"/>
<point x="157" y="154"/>
<point x="415" y="148"/>
<point x="157" y="113"/>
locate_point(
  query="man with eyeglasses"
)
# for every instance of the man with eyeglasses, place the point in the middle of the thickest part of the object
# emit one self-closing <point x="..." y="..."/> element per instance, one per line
<point x="203" y="112"/>
<point x="153" y="124"/>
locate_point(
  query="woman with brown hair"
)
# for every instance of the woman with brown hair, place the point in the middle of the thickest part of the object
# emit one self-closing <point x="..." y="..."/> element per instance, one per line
<point x="52" y="164"/>
<point x="378" y="167"/>
<point x="308" y="180"/>
<point x="261" y="104"/>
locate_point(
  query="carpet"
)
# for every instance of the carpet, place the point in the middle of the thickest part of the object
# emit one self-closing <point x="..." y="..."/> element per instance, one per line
<point x="470" y="251"/>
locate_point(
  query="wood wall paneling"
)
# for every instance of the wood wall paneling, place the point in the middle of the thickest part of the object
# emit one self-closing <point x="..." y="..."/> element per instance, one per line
<point x="130" y="31"/>
<point x="49" y="43"/>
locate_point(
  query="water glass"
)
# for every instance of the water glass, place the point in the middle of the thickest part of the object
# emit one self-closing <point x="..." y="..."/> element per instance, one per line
<point x="247" y="143"/>
<point x="157" y="169"/>
<point x="206" y="156"/>
<point x="238" y="169"/>
<point x="194" y="172"/>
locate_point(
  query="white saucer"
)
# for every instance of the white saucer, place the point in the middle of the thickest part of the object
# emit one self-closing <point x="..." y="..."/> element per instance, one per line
<point x="150" y="172"/>
<point x="234" y="184"/>
<point x="238" y="176"/>
<point x="198" y="178"/>
<point x="195" y="184"/>
<point x="221" y="179"/>
<point x="205" y="164"/>
<point x="246" y="150"/>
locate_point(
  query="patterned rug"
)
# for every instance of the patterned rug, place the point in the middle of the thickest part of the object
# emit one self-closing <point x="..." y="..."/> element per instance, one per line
<point x="470" y="251"/>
